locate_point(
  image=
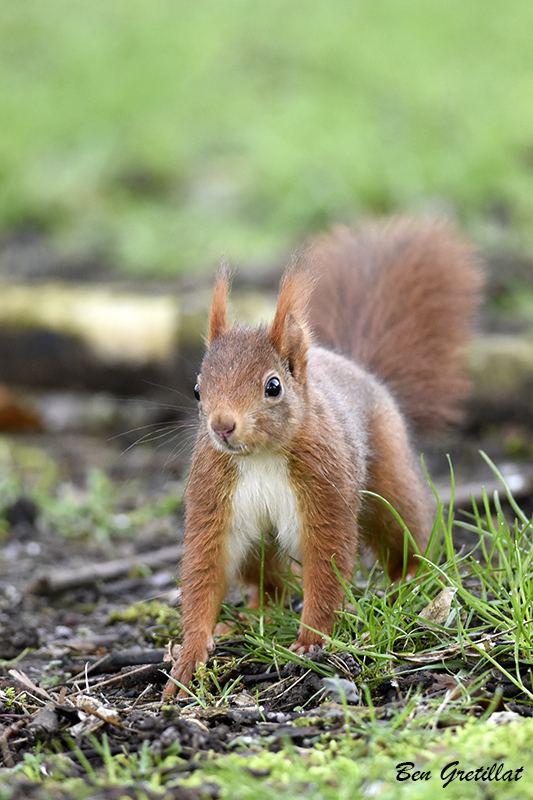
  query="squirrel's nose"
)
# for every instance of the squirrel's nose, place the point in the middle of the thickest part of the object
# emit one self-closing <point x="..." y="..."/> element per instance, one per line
<point x="223" y="427"/>
<point x="225" y="433"/>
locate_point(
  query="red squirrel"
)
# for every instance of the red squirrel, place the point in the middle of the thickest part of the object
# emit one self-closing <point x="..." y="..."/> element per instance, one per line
<point x="298" y="418"/>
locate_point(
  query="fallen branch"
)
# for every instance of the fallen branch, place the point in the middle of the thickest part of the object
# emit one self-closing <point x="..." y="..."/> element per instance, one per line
<point x="520" y="484"/>
<point x="50" y="583"/>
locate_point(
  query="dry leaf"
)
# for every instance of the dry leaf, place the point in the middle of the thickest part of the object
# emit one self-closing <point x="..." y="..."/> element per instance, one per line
<point x="29" y="684"/>
<point x="14" y="414"/>
<point x="172" y="651"/>
<point x="439" y="609"/>
<point x="91" y="706"/>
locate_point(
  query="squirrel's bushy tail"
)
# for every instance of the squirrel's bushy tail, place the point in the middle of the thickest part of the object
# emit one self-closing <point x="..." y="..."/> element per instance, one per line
<point x="399" y="298"/>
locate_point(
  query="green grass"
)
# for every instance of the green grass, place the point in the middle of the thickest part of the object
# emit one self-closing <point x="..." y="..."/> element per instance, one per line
<point x="364" y="763"/>
<point x="368" y="766"/>
<point x="165" y="134"/>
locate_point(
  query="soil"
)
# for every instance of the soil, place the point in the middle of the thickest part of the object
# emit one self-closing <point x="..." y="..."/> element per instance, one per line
<point x="78" y="661"/>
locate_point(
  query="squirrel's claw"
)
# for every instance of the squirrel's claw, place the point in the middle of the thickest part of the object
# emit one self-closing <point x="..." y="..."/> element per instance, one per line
<point x="301" y="647"/>
<point x="184" y="668"/>
<point x="182" y="672"/>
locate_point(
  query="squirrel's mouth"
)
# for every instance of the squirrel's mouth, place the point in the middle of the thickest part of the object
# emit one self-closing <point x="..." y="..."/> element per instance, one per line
<point x="225" y="446"/>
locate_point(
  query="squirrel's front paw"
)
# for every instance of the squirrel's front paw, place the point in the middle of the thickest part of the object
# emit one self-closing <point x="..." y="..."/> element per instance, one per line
<point x="184" y="668"/>
<point x="306" y="644"/>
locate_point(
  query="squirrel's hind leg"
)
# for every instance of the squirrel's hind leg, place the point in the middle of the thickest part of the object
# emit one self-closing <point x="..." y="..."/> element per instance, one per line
<point x="393" y="475"/>
<point x="264" y="575"/>
<point x="267" y="587"/>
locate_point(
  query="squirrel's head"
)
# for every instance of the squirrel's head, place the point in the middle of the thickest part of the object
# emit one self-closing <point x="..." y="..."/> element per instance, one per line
<point x="252" y="385"/>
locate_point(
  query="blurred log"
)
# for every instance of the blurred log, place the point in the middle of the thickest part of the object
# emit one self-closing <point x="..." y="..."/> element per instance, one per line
<point x="501" y="367"/>
<point x="111" y="338"/>
<point x="125" y="339"/>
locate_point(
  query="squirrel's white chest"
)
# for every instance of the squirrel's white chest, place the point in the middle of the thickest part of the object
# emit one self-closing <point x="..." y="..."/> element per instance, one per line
<point x="264" y="503"/>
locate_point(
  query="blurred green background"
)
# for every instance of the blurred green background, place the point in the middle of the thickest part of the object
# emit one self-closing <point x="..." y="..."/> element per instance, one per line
<point x="163" y="134"/>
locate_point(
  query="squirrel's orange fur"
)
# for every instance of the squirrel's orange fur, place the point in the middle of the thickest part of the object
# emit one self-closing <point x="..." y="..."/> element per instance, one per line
<point x="298" y="418"/>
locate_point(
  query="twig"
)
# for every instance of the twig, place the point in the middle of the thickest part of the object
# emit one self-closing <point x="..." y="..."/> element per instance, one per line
<point x="150" y="673"/>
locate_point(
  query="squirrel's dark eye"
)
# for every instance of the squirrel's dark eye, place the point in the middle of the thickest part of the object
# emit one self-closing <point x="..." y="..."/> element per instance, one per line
<point x="197" y="392"/>
<point x="273" y="387"/>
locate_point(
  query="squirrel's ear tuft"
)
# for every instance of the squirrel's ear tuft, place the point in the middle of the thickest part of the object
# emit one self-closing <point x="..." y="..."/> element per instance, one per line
<point x="289" y="333"/>
<point x="218" y="316"/>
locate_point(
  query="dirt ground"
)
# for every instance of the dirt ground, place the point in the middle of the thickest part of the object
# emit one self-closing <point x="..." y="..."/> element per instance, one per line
<point x="83" y="651"/>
